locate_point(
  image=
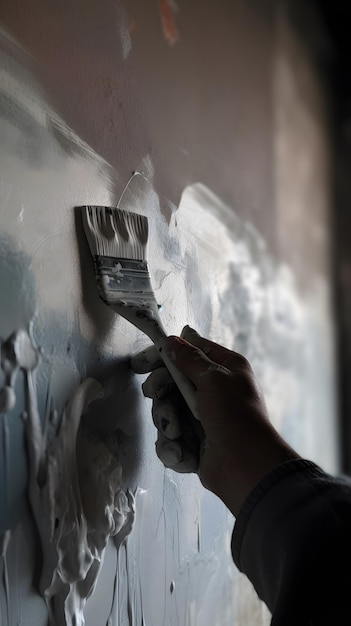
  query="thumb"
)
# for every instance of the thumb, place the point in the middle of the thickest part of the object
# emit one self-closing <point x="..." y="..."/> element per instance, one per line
<point x="189" y="359"/>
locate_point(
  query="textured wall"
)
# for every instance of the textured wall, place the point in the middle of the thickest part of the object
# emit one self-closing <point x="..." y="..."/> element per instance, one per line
<point x="224" y="113"/>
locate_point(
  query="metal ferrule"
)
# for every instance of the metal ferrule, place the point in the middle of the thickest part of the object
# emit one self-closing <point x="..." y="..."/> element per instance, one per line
<point x="124" y="281"/>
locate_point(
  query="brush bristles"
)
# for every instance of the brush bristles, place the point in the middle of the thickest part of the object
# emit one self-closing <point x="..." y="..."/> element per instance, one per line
<point x="115" y="233"/>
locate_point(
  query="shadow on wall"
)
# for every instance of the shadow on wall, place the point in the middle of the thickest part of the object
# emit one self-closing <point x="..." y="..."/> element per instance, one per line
<point x="56" y="376"/>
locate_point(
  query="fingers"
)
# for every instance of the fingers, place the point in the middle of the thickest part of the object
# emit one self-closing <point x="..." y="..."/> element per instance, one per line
<point x="146" y="360"/>
<point x="149" y="359"/>
<point x="178" y="445"/>
<point x="159" y="387"/>
<point x="158" y="384"/>
<point x="176" y="456"/>
<point x="169" y="411"/>
<point x="191" y="361"/>
<point x="209" y="367"/>
<point x="164" y="414"/>
<point x="217" y="353"/>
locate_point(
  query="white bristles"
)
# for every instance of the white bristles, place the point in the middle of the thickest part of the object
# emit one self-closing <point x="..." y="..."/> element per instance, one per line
<point x="115" y="233"/>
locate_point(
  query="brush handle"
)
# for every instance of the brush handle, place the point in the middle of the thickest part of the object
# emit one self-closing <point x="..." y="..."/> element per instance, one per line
<point x="184" y="385"/>
<point x="149" y="322"/>
<point x="156" y="333"/>
<point x="187" y="390"/>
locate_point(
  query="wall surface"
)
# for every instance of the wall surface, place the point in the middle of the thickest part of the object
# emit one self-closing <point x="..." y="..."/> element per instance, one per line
<point x="224" y="114"/>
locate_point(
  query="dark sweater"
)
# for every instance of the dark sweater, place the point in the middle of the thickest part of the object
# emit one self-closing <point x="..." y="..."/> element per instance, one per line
<point x="292" y="539"/>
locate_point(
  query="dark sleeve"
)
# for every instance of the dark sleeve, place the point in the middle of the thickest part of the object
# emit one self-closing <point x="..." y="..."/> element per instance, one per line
<point x="292" y="539"/>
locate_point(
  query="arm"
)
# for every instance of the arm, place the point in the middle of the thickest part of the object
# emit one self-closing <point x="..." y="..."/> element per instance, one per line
<point x="241" y="445"/>
<point x="285" y="506"/>
<point x="292" y="539"/>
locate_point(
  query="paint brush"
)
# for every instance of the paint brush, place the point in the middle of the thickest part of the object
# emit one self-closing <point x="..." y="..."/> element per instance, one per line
<point x="118" y="241"/>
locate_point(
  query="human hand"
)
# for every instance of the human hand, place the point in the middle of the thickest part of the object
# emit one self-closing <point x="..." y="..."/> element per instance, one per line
<point x="237" y="445"/>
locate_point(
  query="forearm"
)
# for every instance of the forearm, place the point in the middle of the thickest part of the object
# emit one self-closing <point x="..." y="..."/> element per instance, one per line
<point x="292" y="537"/>
<point x="286" y="541"/>
<point x="238" y="473"/>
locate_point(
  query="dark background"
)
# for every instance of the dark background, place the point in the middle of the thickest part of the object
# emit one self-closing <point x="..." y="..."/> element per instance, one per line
<point x="336" y="20"/>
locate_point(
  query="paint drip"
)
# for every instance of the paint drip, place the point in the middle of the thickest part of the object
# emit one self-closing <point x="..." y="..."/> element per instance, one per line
<point x="74" y="490"/>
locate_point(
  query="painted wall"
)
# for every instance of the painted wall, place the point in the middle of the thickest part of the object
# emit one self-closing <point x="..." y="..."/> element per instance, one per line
<point x="224" y="113"/>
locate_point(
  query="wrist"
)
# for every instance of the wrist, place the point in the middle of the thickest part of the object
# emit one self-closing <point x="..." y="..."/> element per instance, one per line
<point x="237" y="477"/>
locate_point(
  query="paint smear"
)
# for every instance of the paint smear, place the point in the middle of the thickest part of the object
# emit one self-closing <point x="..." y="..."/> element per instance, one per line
<point x="126" y="40"/>
<point x="169" y="25"/>
<point x="74" y="491"/>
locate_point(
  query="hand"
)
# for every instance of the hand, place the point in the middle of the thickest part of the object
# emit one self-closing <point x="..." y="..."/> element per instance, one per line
<point x="240" y="444"/>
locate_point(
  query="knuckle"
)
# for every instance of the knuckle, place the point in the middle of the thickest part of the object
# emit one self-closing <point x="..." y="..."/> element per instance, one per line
<point x="147" y="387"/>
<point x="246" y="385"/>
<point x="157" y="384"/>
<point x="242" y="362"/>
<point x="217" y="374"/>
<point x="169" y="452"/>
<point x="146" y="360"/>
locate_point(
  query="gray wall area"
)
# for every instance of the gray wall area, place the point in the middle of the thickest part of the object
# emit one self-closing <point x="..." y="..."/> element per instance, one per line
<point x="221" y="107"/>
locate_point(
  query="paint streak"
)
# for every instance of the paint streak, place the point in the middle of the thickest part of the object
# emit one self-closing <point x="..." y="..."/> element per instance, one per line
<point x="169" y="25"/>
<point x="127" y="602"/>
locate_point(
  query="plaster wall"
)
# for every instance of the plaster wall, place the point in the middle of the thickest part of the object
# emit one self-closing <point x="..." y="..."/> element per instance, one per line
<point x="224" y="113"/>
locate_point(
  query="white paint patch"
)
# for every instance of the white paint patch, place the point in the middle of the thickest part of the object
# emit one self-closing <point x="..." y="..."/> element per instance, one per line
<point x="21" y="214"/>
<point x="74" y="492"/>
<point x="117" y="270"/>
<point x="219" y="277"/>
<point x="126" y="40"/>
<point x="7" y="399"/>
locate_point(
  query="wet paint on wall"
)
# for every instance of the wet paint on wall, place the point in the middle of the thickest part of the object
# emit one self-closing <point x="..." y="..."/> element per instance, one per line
<point x="74" y="490"/>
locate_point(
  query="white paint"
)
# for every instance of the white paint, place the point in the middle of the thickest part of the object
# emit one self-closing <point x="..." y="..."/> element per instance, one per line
<point x="21" y="214"/>
<point x="74" y="492"/>
<point x="253" y="306"/>
<point x="7" y="399"/>
<point x="125" y="37"/>
<point x="145" y="360"/>
<point x="117" y="270"/>
<point x="221" y="279"/>
<point x="256" y="309"/>
<point x="26" y="354"/>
